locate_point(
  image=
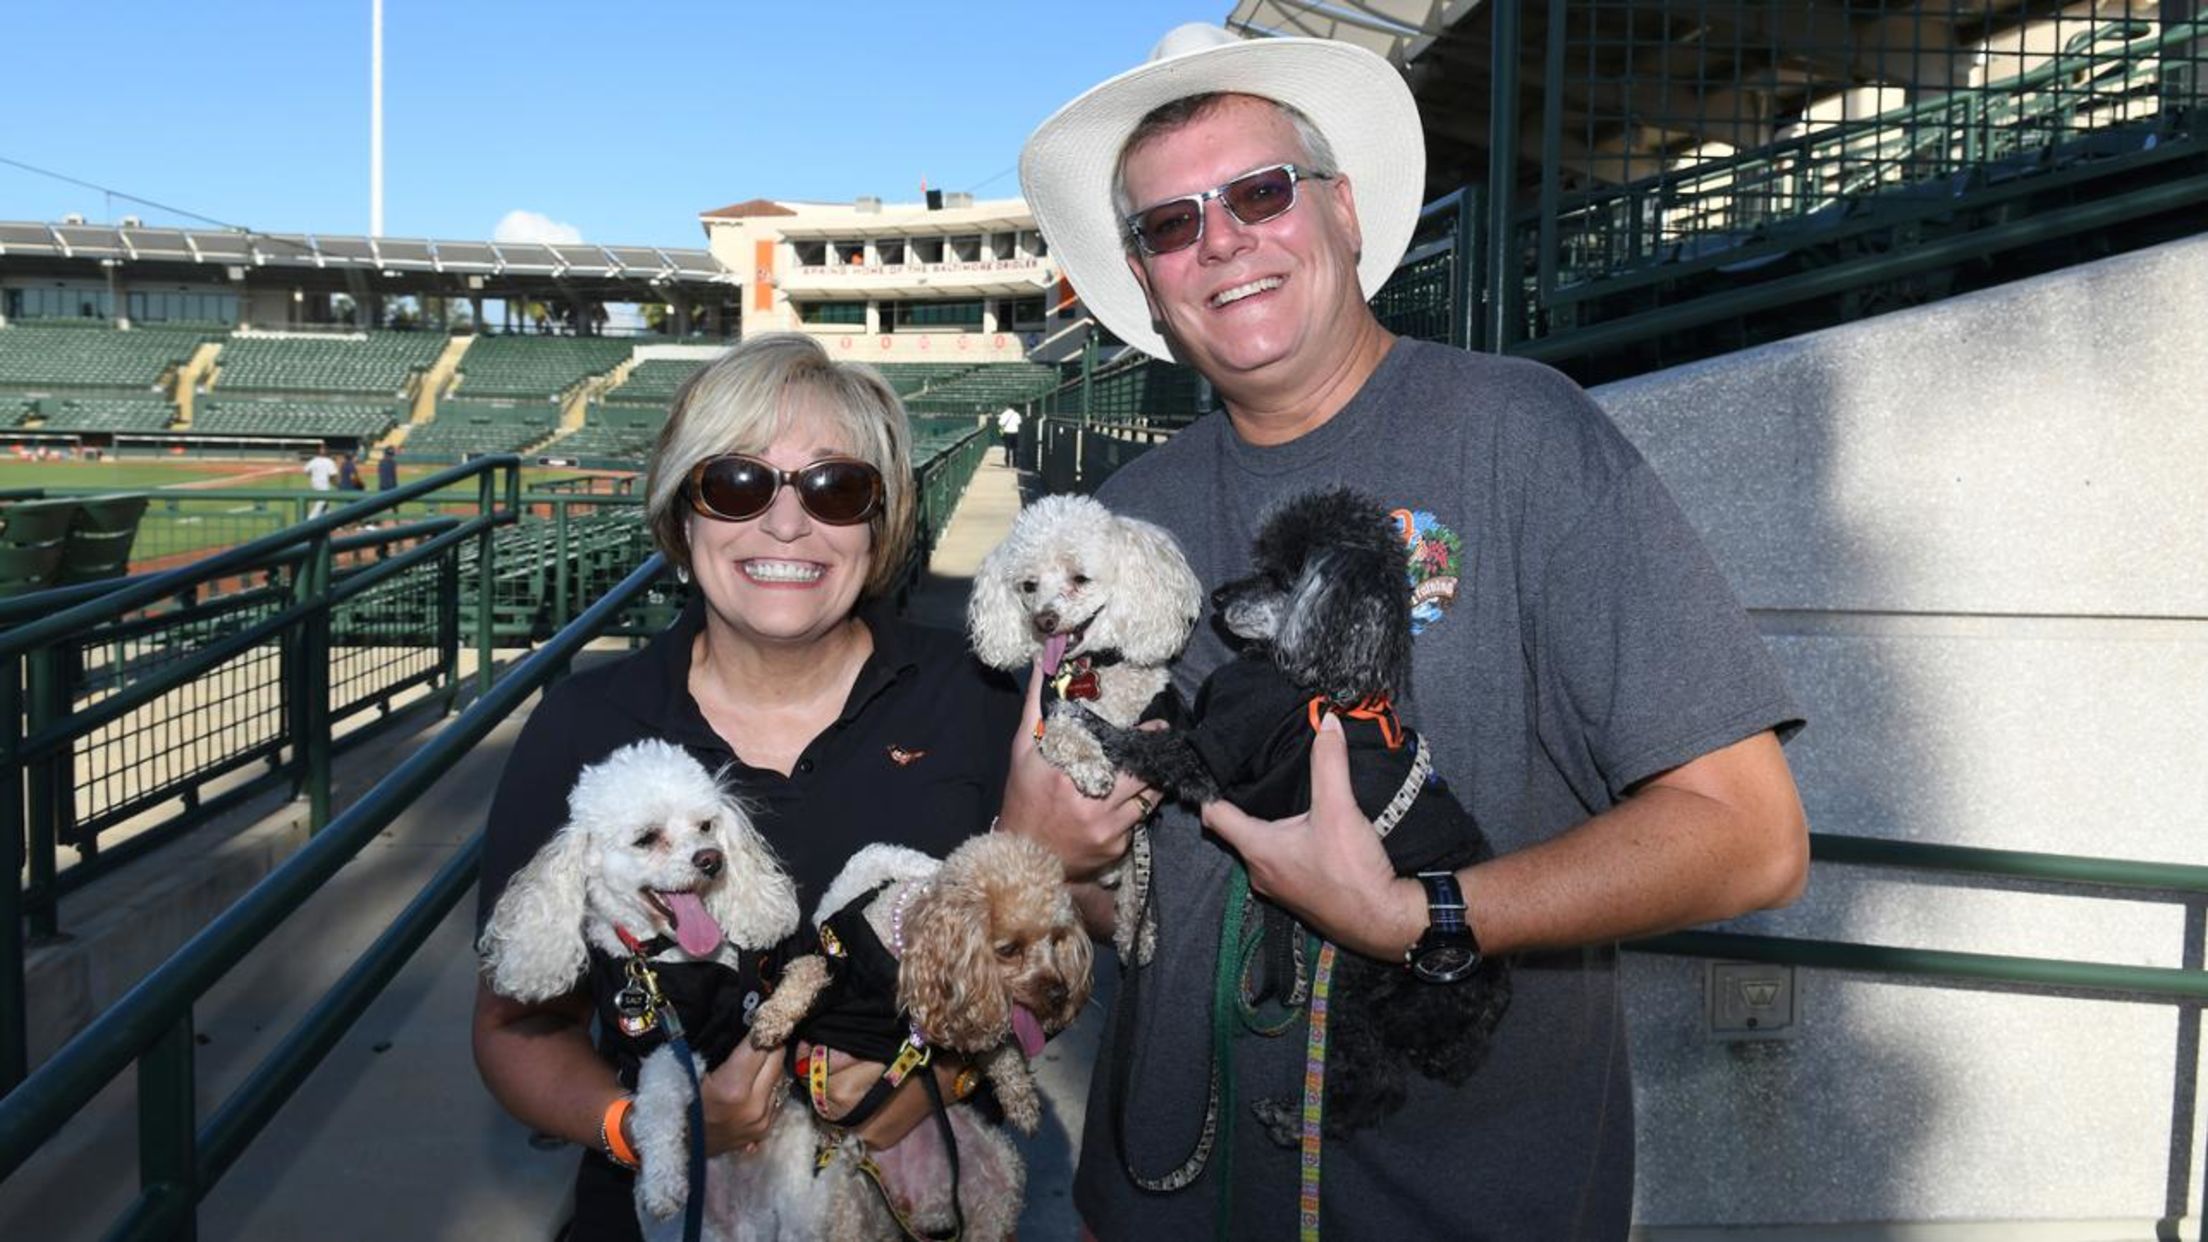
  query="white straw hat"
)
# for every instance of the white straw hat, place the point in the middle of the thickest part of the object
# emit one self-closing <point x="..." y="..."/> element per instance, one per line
<point x="1356" y="99"/>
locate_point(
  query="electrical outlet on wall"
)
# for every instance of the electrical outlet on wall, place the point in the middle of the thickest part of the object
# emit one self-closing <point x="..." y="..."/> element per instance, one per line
<point x="1751" y="1000"/>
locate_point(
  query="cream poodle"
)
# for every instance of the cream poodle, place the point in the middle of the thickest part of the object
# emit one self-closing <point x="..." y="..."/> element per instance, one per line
<point x="657" y="867"/>
<point x="1104" y="603"/>
<point x="989" y="958"/>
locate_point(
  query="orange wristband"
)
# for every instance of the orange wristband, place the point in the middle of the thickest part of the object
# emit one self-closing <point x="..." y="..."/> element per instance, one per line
<point x="609" y="1133"/>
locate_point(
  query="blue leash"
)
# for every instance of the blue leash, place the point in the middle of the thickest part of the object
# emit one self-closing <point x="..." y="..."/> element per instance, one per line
<point x="693" y="1208"/>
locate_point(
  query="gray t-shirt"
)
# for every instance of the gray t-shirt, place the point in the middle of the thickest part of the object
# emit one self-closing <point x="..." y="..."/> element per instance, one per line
<point x="1574" y="637"/>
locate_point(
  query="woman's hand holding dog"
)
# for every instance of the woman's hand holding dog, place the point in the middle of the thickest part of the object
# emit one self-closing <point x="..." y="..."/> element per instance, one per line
<point x="1327" y="866"/>
<point x="740" y="1097"/>
<point x="849" y="1079"/>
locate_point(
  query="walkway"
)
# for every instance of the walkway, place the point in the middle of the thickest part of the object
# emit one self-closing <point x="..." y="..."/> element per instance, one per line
<point x="394" y="1136"/>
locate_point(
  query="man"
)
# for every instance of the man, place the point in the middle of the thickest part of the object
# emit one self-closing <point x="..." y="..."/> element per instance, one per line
<point x="387" y="470"/>
<point x="1008" y="430"/>
<point x="321" y="475"/>
<point x="1589" y="686"/>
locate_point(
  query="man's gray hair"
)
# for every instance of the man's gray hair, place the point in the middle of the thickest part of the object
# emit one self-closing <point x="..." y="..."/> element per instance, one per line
<point x="1167" y="118"/>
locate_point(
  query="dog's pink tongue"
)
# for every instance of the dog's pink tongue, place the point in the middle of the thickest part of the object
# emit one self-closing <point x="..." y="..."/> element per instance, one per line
<point x="1027" y="1030"/>
<point x="695" y="929"/>
<point x="1054" y="650"/>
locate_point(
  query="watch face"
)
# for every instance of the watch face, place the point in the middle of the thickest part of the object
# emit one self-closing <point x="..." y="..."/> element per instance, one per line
<point x="1446" y="963"/>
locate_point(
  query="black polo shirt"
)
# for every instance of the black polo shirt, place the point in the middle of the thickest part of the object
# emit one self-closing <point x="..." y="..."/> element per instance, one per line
<point x="917" y="757"/>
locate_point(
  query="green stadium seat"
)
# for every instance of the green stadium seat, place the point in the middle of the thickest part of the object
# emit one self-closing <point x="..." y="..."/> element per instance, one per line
<point x="378" y="363"/>
<point x="24" y="570"/>
<point x="36" y="523"/>
<point x="100" y="537"/>
<point x="544" y="368"/>
<point x="653" y="382"/>
<point x="108" y="414"/>
<point x="53" y="355"/>
<point x="310" y="419"/>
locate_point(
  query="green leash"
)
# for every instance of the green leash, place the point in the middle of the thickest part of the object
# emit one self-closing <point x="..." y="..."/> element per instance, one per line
<point x="1226" y="1006"/>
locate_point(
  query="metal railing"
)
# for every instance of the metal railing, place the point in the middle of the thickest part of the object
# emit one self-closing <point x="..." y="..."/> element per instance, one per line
<point x="1687" y="151"/>
<point x="938" y="481"/>
<point x="2086" y="876"/>
<point x="181" y="1155"/>
<point x="128" y="696"/>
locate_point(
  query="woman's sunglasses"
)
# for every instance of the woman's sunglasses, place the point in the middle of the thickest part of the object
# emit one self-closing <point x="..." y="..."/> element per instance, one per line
<point x="1252" y="198"/>
<point x="841" y="491"/>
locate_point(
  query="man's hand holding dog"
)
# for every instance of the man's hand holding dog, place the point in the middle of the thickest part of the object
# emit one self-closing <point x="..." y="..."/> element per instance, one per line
<point x="1327" y="866"/>
<point x="1088" y="834"/>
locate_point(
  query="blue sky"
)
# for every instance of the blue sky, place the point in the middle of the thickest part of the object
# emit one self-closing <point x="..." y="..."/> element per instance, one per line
<point x="620" y="121"/>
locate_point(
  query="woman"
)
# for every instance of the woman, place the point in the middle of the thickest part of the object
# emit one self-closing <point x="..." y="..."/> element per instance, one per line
<point x="781" y="487"/>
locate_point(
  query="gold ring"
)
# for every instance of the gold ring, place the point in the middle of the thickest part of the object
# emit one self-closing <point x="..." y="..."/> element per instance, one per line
<point x="1148" y="807"/>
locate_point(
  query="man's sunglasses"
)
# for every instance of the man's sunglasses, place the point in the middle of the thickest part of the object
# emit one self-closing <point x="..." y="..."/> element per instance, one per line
<point x="841" y="491"/>
<point x="1252" y="198"/>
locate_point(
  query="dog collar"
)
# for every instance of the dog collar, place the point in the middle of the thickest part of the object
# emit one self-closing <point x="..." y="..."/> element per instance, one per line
<point x="1077" y="678"/>
<point x="897" y="919"/>
<point x="642" y="948"/>
<point x="1373" y="707"/>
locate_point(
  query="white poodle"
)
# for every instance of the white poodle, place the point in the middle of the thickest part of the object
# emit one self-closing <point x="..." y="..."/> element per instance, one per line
<point x="1105" y="602"/>
<point x="988" y="957"/>
<point x="657" y="864"/>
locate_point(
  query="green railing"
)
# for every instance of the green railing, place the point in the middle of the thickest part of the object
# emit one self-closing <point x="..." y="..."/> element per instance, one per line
<point x="207" y="684"/>
<point x="1076" y="456"/>
<point x="2084" y="876"/>
<point x="1713" y="159"/>
<point x="1701" y="163"/>
<point x="939" y="479"/>
<point x="181" y="1156"/>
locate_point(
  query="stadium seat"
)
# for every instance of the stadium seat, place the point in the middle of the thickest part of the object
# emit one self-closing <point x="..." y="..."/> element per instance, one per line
<point x="543" y="368"/>
<point x="48" y="355"/>
<point x="653" y="382"/>
<point x="108" y="414"/>
<point x="99" y="539"/>
<point x="24" y="570"/>
<point x="36" y="523"/>
<point x="379" y="363"/>
<point x="321" y="420"/>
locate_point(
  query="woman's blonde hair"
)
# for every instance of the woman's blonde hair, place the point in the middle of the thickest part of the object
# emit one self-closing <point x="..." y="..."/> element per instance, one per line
<point x="746" y="398"/>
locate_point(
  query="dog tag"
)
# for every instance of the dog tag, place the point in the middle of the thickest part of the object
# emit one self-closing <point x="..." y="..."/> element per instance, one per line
<point x="634" y="1011"/>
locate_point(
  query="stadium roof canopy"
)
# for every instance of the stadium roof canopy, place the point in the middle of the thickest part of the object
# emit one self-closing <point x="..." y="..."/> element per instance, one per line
<point x="382" y="264"/>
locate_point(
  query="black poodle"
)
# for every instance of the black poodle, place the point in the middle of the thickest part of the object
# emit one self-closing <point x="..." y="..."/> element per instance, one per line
<point x="1324" y="625"/>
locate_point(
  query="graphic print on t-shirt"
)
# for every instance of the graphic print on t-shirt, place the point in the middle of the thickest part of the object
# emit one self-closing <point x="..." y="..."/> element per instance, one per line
<point x="1431" y="553"/>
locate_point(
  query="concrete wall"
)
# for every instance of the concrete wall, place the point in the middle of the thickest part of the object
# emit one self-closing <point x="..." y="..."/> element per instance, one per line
<point x="1976" y="535"/>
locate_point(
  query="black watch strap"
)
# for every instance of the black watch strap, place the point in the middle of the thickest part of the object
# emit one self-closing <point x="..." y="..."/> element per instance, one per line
<point x="1444" y="901"/>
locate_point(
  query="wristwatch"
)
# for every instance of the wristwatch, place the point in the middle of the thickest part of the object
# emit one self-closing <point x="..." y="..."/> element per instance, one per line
<point x="1448" y="951"/>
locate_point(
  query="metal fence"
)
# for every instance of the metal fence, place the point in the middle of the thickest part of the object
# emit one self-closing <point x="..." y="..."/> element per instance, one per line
<point x="183" y="1153"/>
<point x="161" y="700"/>
<point x="1694" y="160"/>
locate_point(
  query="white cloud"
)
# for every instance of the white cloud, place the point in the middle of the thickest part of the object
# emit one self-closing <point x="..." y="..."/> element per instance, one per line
<point x="529" y="226"/>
